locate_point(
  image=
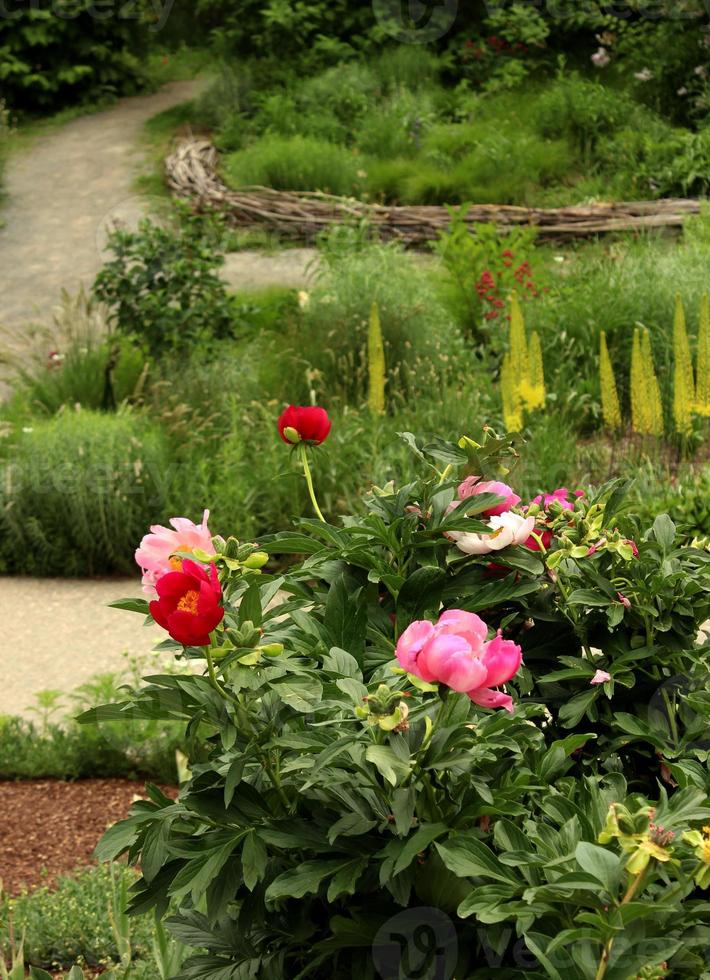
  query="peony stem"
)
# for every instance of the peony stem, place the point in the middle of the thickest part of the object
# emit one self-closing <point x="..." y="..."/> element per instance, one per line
<point x="309" y="480"/>
<point x="628" y="897"/>
<point x="213" y="676"/>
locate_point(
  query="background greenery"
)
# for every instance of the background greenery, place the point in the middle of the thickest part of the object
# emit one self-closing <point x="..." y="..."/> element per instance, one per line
<point x="192" y="424"/>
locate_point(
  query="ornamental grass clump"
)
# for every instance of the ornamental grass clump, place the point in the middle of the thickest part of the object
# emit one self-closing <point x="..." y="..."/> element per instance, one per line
<point x="456" y="730"/>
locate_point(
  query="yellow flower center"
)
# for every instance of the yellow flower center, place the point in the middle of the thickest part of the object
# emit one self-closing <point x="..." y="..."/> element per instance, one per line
<point x="188" y="603"/>
<point x="175" y="562"/>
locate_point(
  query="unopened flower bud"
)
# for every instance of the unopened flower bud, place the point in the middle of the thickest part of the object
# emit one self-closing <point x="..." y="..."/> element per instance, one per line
<point x="272" y="649"/>
<point x="291" y="435"/>
<point x="231" y="549"/>
<point x="256" y="560"/>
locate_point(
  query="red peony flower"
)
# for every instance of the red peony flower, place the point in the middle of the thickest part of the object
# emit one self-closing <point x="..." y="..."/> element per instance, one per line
<point x="304" y="423"/>
<point x="188" y="603"/>
<point x="545" y="536"/>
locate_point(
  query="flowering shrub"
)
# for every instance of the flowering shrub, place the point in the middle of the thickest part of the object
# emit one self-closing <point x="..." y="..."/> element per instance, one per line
<point x="484" y="269"/>
<point x="412" y="760"/>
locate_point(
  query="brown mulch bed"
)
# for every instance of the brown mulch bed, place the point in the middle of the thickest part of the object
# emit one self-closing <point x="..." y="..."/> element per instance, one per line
<point x="49" y="827"/>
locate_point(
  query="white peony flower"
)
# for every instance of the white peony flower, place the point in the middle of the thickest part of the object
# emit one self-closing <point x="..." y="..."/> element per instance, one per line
<point x="506" y="529"/>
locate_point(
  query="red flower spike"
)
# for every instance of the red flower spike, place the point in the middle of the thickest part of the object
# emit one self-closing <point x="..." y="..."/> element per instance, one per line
<point x="304" y="423"/>
<point x="189" y="603"/>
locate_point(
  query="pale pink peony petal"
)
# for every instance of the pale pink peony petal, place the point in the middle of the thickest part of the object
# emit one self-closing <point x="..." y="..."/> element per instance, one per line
<point x="601" y="677"/>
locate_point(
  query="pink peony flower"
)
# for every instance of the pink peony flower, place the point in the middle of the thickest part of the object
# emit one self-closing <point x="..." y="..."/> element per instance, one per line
<point x="505" y="530"/>
<point x="470" y="487"/>
<point x="560" y="496"/>
<point x="455" y="652"/>
<point x="601" y="677"/>
<point x="155" y="555"/>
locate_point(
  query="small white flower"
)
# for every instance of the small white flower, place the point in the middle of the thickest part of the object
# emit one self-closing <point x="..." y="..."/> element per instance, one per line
<point x="645" y="75"/>
<point x="559" y="259"/>
<point x="682" y="90"/>
<point x="601" y="58"/>
<point x="303" y="299"/>
<point x="701" y="71"/>
<point x="27" y="429"/>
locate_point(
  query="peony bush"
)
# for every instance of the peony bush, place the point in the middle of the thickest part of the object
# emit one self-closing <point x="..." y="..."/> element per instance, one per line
<point x="454" y="735"/>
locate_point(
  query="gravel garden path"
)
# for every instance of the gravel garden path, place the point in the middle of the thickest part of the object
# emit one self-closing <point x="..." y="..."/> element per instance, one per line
<point x="61" y="632"/>
<point x="67" y="185"/>
<point x="61" y="190"/>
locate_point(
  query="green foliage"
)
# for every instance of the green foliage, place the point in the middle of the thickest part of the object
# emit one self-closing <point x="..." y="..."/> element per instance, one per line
<point x="82" y="920"/>
<point x="75" y="361"/>
<point x="49" y="60"/>
<point x="416" y="141"/>
<point x="162" y="288"/>
<point x="315" y="822"/>
<point x="296" y="163"/>
<point x="78" y="491"/>
<point x="238" y="450"/>
<point x="64" y="750"/>
<point x="583" y="111"/>
<point x="71" y="922"/>
<point x="419" y="338"/>
<point x="687" y="498"/>
<point x="612" y="287"/>
<point x="309" y="32"/>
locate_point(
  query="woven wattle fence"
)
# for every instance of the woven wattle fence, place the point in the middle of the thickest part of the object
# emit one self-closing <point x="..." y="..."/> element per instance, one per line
<point x="192" y="174"/>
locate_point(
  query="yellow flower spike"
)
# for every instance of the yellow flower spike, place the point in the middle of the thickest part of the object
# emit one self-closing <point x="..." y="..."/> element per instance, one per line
<point x="518" y="342"/>
<point x="651" y="387"/>
<point x="533" y="388"/>
<point x="376" y="363"/>
<point x="683" y="381"/>
<point x="611" y="410"/>
<point x="702" y="380"/>
<point x="510" y="393"/>
<point x="639" y="412"/>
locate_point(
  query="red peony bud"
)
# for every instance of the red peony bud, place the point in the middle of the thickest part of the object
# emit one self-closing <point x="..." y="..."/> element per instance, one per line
<point x="304" y="423"/>
<point x="188" y="604"/>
